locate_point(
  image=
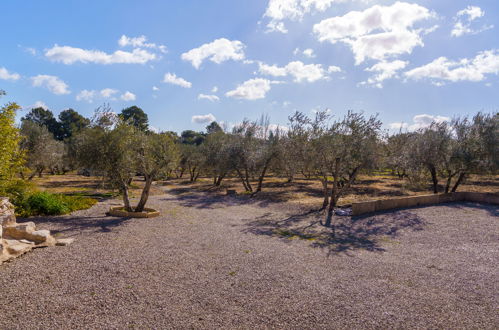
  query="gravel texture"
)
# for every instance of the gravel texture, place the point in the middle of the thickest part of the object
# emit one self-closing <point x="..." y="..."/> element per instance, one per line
<point x="219" y="262"/>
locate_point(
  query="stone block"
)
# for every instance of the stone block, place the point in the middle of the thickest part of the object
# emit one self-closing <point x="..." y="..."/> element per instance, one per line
<point x="363" y="207"/>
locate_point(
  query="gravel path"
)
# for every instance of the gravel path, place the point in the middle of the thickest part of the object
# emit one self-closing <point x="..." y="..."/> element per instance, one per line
<point x="216" y="262"/>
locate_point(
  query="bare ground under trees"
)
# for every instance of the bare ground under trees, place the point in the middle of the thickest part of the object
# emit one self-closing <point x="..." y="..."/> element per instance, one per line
<point x="221" y="262"/>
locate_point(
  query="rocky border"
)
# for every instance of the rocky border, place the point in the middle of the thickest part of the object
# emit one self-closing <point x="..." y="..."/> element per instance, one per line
<point x="118" y="211"/>
<point x="412" y="201"/>
<point x="19" y="238"/>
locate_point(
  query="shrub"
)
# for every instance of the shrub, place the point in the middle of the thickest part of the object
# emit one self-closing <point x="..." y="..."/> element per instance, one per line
<point x="30" y="202"/>
<point x="47" y="204"/>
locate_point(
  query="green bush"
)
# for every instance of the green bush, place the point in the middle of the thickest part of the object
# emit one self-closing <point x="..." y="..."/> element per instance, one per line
<point x="30" y="202"/>
<point x="44" y="203"/>
<point x="47" y="204"/>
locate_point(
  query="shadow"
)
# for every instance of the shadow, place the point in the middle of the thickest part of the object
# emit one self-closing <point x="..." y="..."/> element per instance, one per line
<point x="492" y="209"/>
<point x="74" y="224"/>
<point x="206" y="199"/>
<point x="485" y="183"/>
<point x="349" y="233"/>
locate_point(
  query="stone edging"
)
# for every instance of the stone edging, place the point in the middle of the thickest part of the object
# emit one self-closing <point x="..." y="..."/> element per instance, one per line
<point x="411" y="201"/>
<point x="117" y="211"/>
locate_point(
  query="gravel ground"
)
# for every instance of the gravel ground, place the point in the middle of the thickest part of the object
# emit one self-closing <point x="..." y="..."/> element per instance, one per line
<point x="217" y="262"/>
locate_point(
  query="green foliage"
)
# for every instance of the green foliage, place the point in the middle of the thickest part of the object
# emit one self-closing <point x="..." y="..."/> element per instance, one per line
<point x="136" y="117"/>
<point x="192" y="137"/>
<point x="43" y="117"/>
<point x="214" y="127"/>
<point x="10" y="155"/>
<point x="44" y="203"/>
<point x="70" y="122"/>
<point x="18" y="191"/>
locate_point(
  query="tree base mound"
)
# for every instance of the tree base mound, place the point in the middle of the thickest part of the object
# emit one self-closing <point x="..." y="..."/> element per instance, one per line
<point x="119" y="211"/>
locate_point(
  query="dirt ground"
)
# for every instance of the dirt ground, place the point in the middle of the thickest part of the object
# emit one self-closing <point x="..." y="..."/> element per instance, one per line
<point x="309" y="191"/>
<point x="302" y="191"/>
<point x="223" y="262"/>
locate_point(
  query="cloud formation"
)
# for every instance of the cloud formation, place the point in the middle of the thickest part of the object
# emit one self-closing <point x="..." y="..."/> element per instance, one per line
<point x="52" y="83"/>
<point x="443" y="69"/>
<point x="218" y="51"/>
<point x="418" y="122"/>
<point x="90" y="95"/>
<point x="203" y="119"/>
<point x="384" y="71"/>
<point x="294" y="10"/>
<point x="140" y="41"/>
<point x="171" y="78"/>
<point x="70" y="55"/>
<point x="378" y="32"/>
<point x="212" y="98"/>
<point x="6" y="75"/>
<point x="128" y="96"/>
<point x="298" y="70"/>
<point x="464" y="20"/>
<point x="252" y="89"/>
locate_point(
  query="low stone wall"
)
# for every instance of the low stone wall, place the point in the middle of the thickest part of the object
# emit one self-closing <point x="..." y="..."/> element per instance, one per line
<point x="413" y="201"/>
<point x="19" y="238"/>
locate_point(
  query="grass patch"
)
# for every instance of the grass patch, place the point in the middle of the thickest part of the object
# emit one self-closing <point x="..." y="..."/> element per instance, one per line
<point x="44" y="203"/>
<point x="292" y="234"/>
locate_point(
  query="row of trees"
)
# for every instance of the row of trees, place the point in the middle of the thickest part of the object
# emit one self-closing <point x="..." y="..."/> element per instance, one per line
<point x="332" y="150"/>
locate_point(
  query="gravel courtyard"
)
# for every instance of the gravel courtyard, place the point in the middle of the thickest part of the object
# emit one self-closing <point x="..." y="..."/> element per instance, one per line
<point x="219" y="262"/>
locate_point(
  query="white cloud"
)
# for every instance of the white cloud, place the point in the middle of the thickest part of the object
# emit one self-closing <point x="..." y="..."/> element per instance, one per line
<point x="203" y="119"/>
<point x="39" y="104"/>
<point x="252" y="89"/>
<point x="377" y="32"/>
<point x="472" y="12"/>
<point x="384" y="71"/>
<point x="298" y="70"/>
<point x="214" y="89"/>
<point x="211" y="98"/>
<point x="140" y="41"/>
<point x="419" y="121"/>
<point x="154" y="88"/>
<point x="464" y="19"/>
<point x="218" y="51"/>
<point x="90" y="95"/>
<point x="442" y="69"/>
<point x="333" y="69"/>
<point x="294" y="10"/>
<point x="309" y="52"/>
<point x="108" y="92"/>
<point x="171" y="78"/>
<point x="69" y="55"/>
<point x="128" y="96"/>
<point x="6" y="75"/>
<point x="52" y="83"/>
<point x="86" y="95"/>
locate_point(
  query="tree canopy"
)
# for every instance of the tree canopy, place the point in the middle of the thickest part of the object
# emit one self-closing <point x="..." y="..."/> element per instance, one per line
<point x="136" y="116"/>
<point x="10" y="156"/>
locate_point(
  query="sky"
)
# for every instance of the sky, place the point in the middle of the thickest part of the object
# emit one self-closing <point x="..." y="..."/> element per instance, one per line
<point x="187" y="63"/>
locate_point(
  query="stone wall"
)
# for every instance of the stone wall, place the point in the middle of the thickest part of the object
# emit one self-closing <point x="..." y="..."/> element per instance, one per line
<point x="19" y="238"/>
<point x="413" y="201"/>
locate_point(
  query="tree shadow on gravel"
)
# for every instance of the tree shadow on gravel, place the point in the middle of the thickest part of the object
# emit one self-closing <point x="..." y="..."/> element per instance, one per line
<point x="350" y="233"/>
<point x="204" y="200"/>
<point x="74" y="225"/>
<point x="493" y="210"/>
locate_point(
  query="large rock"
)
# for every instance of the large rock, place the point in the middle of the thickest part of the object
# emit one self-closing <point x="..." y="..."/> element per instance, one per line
<point x="19" y="238"/>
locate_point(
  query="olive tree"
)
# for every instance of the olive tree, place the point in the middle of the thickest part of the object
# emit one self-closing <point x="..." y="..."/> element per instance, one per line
<point x="254" y="146"/>
<point x="341" y="149"/>
<point x="42" y="150"/>
<point x="216" y="155"/>
<point x="120" y="151"/>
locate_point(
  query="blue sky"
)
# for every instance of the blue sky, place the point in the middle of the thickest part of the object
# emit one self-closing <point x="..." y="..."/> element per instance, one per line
<point x="188" y="62"/>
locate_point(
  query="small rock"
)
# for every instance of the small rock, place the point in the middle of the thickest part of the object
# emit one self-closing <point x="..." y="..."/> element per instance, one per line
<point x="64" y="241"/>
